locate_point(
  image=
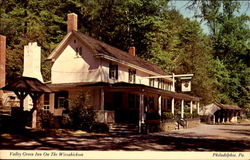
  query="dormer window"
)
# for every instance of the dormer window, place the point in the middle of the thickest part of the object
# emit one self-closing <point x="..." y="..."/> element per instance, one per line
<point x="78" y="51"/>
<point x="113" y="71"/>
<point x="131" y="75"/>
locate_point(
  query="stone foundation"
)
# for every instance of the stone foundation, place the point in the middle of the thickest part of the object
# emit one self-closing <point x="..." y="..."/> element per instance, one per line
<point x="191" y="123"/>
<point x="168" y="125"/>
<point x="171" y="124"/>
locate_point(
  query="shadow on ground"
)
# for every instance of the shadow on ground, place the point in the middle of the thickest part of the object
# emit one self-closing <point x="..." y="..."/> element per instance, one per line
<point x="40" y="140"/>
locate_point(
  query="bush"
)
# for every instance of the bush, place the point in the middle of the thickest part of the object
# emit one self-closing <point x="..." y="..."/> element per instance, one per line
<point x="46" y="119"/>
<point x="167" y="115"/>
<point x="187" y="115"/>
<point x="81" y="115"/>
<point x="100" y="127"/>
<point x="82" y="118"/>
<point x="195" y="115"/>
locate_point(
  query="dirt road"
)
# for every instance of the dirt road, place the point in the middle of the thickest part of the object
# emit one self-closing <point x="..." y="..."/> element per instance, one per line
<point x="202" y="138"/>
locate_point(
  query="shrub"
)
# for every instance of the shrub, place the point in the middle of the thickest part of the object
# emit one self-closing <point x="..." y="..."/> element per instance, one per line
<point x="46" y="119"/>
<point x="187" y="115"/>
<point x="100" y="127"/>
<point x="81" y="114"/>
<point x="167" y="115"/>
<point x="195" y="115"/>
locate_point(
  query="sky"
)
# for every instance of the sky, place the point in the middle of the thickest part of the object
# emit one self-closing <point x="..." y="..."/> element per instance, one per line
<point x="181" y="5"/>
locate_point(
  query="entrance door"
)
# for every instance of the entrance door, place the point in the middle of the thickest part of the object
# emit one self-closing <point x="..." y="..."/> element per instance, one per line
<point x="118" y="106"/>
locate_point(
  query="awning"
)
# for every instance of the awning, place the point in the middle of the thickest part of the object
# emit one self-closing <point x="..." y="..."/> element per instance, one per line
<point x="27" y="84"/>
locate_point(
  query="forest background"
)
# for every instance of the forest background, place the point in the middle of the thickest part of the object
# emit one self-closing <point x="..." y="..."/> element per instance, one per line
<point x="219" y="59"/>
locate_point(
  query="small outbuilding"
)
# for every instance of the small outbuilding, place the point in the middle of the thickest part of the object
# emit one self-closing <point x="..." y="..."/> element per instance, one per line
<point x="24" y="86"/>
<point x="219" y="113"/>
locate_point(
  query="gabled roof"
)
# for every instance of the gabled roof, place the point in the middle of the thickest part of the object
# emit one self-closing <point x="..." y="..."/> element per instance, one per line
<point x="210" y="109"/>
<point x="106" y="51"/>
<point x="27" y="84"/>
<point x="230" y="107"/>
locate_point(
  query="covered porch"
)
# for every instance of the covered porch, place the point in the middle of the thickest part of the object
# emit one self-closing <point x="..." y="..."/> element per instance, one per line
<point x="137" y="104"/>
<point x="143" y="105"/>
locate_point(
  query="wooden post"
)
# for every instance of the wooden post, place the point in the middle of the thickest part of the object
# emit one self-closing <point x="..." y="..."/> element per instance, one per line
<point x="223" y="116"/>
<point x="102" y="99"/>
<point x="191" y="107"/>
<point x="21" y="96"/>
<point x="36" y="109"/>
<point x="141" y="113"/>
<point x="172" y="107"/>
<point x="219" y="116"/>
<point x="159" y="105"/>
<point x="182" y="108"/>
<point x="198" y="107"/>
<point x="102" y="111"/>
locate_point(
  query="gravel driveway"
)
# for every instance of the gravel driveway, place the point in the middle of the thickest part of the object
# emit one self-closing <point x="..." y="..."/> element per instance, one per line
<point x="202" y="138"/>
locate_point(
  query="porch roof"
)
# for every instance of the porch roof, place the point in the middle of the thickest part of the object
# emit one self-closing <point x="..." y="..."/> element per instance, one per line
<point x="124" y="85"/>
<point x="229" y="107"/>
<point x="210" y="109"/>
<point x="27" y="84"/>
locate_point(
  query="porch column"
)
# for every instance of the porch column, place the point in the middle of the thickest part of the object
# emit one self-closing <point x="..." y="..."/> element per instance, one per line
<point x="102" y="113"/>
<point x="226" y="116"/>
<point x="141" y="113"/>
<point x="198" y="107"/>
<point x="182" y="108"/>
<point x="172" y="107"/>
<point x="159" y="105"/>
<point x="219" y="115"/>
<point x="231" y="116"/>
<point x="191" y="107"/>
<point x="102" y="100"/>
<point x="236" y="117"/>
<point x="223" y="116"/>
<point x="213" y="119"/>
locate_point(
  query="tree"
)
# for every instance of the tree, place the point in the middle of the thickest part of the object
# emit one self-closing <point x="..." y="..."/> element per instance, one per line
<point x="230" y="41"/>
<point x="28" y="21"/>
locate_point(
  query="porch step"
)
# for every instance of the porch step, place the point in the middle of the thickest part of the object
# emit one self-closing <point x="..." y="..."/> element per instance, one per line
<point x="123" y="128"/>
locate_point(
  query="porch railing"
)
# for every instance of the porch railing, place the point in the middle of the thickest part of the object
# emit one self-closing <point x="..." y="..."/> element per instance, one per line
<point x="105" y="116"/>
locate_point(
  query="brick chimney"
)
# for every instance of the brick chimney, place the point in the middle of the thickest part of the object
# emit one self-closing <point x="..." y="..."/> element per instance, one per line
<point x="71" y="22"/>
<point x="131" y="51"/>
<point x="2" y="62"/>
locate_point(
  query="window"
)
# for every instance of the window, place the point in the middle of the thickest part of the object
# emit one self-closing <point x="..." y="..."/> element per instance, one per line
<point x="164" y="104"/>
<point x="74" y="41"/>
<point x="131" y="75"/>
<point x="151" y="103"/>
<point x="80" y="51"/>
<point x="46" y="99"/>
<point x="113" y="71"/>
<point x="61" y="102"/>
<point x="151" y="82"/>
<point x="133" y="100"/>
<point x="160" y="83"/>
<point x="61" y="99"/>
<point x="77" y="51"/>
<point x="46" y="109"/>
